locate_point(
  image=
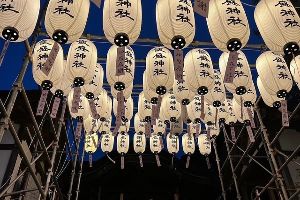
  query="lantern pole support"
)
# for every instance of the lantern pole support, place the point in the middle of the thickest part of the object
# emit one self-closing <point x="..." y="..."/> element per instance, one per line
<point x="286" y="156"/>
<point x="271" y="152"/>
<point x="79" y="175"/>
<point x="219" y="169"/>
<point x="238" y="195"/>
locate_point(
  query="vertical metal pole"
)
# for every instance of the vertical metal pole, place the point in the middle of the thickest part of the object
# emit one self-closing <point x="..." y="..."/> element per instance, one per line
<point x="219" y="169"/>
<point x="55" y="147"/>
<point x="79" y="175"/>
<point x="272" y="155"/>
<point x="238" y="195"/>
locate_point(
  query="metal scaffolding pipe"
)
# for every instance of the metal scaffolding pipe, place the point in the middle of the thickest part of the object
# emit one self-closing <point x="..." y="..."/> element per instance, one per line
<point x="79" y="175"/>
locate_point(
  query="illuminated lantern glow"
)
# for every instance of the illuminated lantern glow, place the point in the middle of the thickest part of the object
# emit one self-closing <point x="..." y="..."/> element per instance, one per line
<point x="204" y="144"/>
<point x="107" y="142"/>
<point x="217" y="94"/>
<point x="199" y="71"/>
<point x="160" y="70"/>
<point x="170" y="109"/>
<point x="105" y="126"/>
<point x="188" y="144"/>
<point x="83" y="109"/>
<point x="194" y="110"/>
<point x="269" y="100"/>
<point x="122" y="21"/>
<point x="278" y="24"/>
<point x="195" y="128"/>
<point x="241" y="113"/>
<point x="249" y="98"/>
<point x="91" y="143"/>
<point x="274" y="74"/>
<point x="223" y="112"/>
<point x="144" y="108"/>
<point x="210" y="114"/>
<point x="91" y="125"/>
<point x="124" y="128"/>
<point x="242" y="77"/>
<point x="160" y="127"/>
<point x="228" y="25"/>
<point x="231" y="118"/>
<point x="214" y="130"/>
<point x="172" y="143"/>
<point x="103" y="105"/>
<point x="65" y="20"/>
<point x="175" y="23"/>
<point x="149" y="94"/>
<point x="120" y="82"/>
<point x="94" y="87"/>
<point x="128" y="109"/>
<point x="122" y="146"/>
<point x="295" y="69"/>
<point x="139" y="125"/>
<point x="139" y="143"/>
<point x="18" y="19"/>
<point x="182" y="92"/>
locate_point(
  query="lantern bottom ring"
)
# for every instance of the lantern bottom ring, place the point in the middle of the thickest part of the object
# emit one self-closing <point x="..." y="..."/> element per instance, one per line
<point x="281" y="93"/>
<point x="10" y="33"/>
<point x="248" y="104"/>
<point x="217" y="104"/>
<point x="277" y="104"/>
<point x="46" y="85"/>
<point x="89" y="95"/>
<point x="178" y="42"/>
<point x="148" y="119"/>
<point x="59" y="94"/>
<point x="161" y="90"/>
<point x="234" y="44"/>
<point x="241" y="90"/>
<point x="173" y="119"/>
<point x="185" y="102"/>
<point x="203" y="90"/>
<point x="290" y="48"/>
<point x="119" y="86"/>
<point x="60" y="36"/>
<point x="121" y="39"/>
<point x="154" y="100"/>
<point x="78" y="81"/>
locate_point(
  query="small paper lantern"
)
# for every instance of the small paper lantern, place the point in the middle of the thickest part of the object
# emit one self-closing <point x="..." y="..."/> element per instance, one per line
<point x="177" y="127"/>
<point x="103" y="105"/>
<point x="172" y="143"/>
<point x="217" y="94"/>
<point x="295" y="70"/>
<point x="107" y="142"/>
<point x="122" y="143"/>
<point x="65" y="20"/>
<point x="249" y="98"/>
<point x="125" y="126"/>
<point x="160" y="70"/>
<point x="181" y="91"/>
<point x="93" y="88"/>
<point x="242" y="75"/>
<point x="18" y="19"/>
<point x="210" y="114"/>
<point x="91" y="125"/>
<point x="144" y="108"/>
<point x="122" y="21"/>
<point x="240" y="111"/>
<point x="269" y="100"/>
<point x="105" y="126"/>
<point x="81" y="62"/>
<point x="231" y="118"/>
<point x="204" y="144"/>
<point x="188" y="143"/>
<point x="170" y="109"/>
<point x="122" y="81"/>
<point x="175" y="23"/>
<point x="128" y="108"/>
<point x="126" y="92"/>
<point x="139" y="125"/>
<point x="139" y="143"/>
<point x="91" y="143"/>
<point x="223" y="111"/>
<point x="279" y="25"/>
<point x="155" y="143"/>
<point x="228" y="25"/>
<point x="214" y="130"/>
<point x="43" y="77"/>
<point x="199" y="71"/>
<point x="160" y="127"/>
<point x="83" y="109"/>
<point x="274" y="74"/>
<point x="194" y="110"/>
<point x="149" y="94"/>
<point x="195" y="128"/>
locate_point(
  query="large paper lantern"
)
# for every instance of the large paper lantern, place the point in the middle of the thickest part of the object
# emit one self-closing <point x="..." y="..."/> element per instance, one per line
<point x="194" y="110"/>
<point x="217" y="94"/>
<point x="160" y="127"/>
<point x="107" y="142"/>
<point x="242" y="75"/>
<point x="91" y="125"/>
<point x="126" y="92"/>
<point x="181" y="91"/>
<point x="94" y="87"/>
<point x="249" y="98"/>
<point x="279" y="25"/>
<point x="144" y="108"/>
<point x="65" y="20"/>
<point x="81" y="62"/>
<point x="139" y="143"/>
<point x="295" y="69"/>
<point x="204" y="144"/>
<point x="172" y="143"/>
<point x="199" y="71"/>
<point x="170" y="109"/>
<point x="122" y="21"/>
<point x="228" y="24"/>
<point x="122" y="81"/>
<point x="274" y="74"/>
<point x="128" y="108"/>
<point x="160" y="70"/>
<point x="175" y="23"/>
<point x="18" y="19"/>
<point x="139" y="125"/>
<point x="83" y="108"/>
<point x="91" y="143"/>
<point x="62" y="87"/>
<point x="42" y="75"/>
<point x="269" y="100"/>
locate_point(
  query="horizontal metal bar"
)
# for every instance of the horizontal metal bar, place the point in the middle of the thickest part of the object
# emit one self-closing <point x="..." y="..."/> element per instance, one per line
<point x="294" y="195"/>
<point x="284" y="155"/>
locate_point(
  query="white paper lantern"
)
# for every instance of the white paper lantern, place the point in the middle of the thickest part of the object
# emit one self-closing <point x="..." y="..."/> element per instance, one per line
<point x="188" y="143"/>
<point x="122" y="21"/>
<point x="139" y="125"/>
<point x="228" y="24"/>
<point x="295" y="69"/>
<point x="195" y="128"/>
<point x="274" y="74"/>
<point x="18" y="19"/>
<point x="172" y="143"/>
<point x="175" y="23"/>
<point x="83" y="109"/>
<point x="39" y="58"/>
<point x="194" y="110"/>
<point x="139" y="143"/>
<point x="241" y="113"/>
<point x="105" y="126"/>
<point x="155" y="143"/>
<point x="62" y="87"/>
<point x="223" y="111"/>
<point x="210" y="114"/>
<point x="279" y="25"/>
<point x="128" y="107"/>
<point x="170" y="109"/>
<point x="199" y="71"/>
<point x="126" y="92"/>
<point x="91" y="125"/>
<point x="144" y="108"/>
<point x="269" y="100"/>
<point x="81" y="62"/>
<point x="107" y="142"/>
<point x="93" y="88"/>
<point x="214" y="130"/>
<point x="91" y="143"/>
<point x="249" y="98"/>
<point x="65" y="20"/>
<point x="123" y="143"/>
<point x="149" y="94"/>
<point x="123" y="81"/>
<point x="181" y="91"/>
<point x="159" y="127"/>
<point x="204" y="144"/>
<point x="103" y="105"/>
<point x="231" y="118"/>
<point x="125" y="126"/>
<point x="217" y="94"/>
<point x="160" y="70"/>
<point x="242" y="76"/>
